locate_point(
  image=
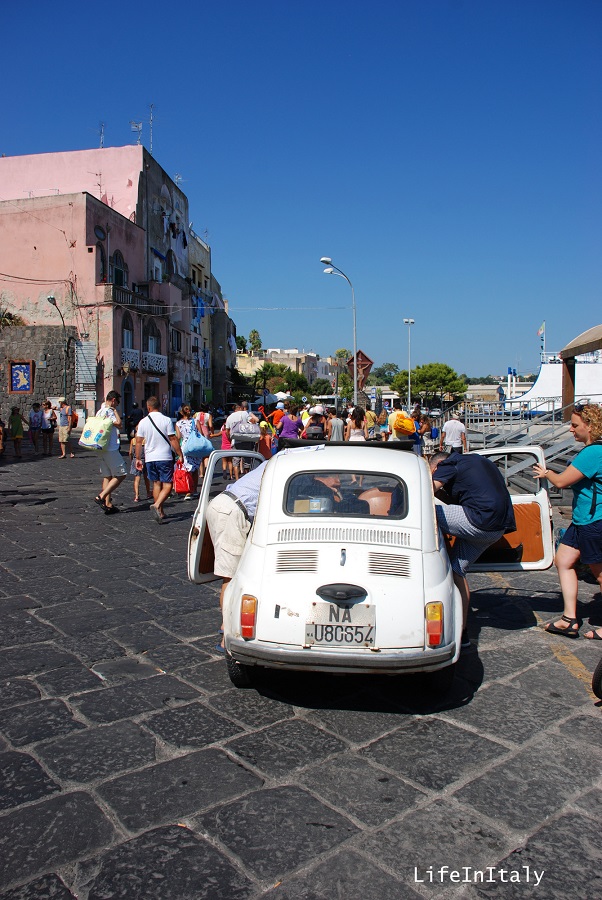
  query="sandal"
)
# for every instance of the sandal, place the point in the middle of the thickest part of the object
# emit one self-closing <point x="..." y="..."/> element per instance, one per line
<point x="570" y="631"/>
<point x="100" y="502"/>
<point x="595" y="635"/>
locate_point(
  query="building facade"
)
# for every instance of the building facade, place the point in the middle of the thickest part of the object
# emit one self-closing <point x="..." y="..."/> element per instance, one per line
<point x="112" y="245"/>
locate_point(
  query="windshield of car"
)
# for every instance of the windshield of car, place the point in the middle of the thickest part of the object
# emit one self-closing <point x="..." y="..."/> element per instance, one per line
<point x="346" y="494"/>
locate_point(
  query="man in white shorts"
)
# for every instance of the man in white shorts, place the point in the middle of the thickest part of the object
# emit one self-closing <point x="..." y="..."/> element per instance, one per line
<point x="229" y="519"/>
<point x="112" y="463"/>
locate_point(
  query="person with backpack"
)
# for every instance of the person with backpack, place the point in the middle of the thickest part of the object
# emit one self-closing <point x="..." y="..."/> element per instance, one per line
<point x="401" y="425"/>
<point x="242" y="428"/>
<point x="315" y="428"/>
<point x="582" y="540"/>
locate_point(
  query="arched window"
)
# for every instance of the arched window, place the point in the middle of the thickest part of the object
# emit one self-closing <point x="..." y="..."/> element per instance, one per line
<point x="118" y="270"/>
<point x="151" y="338"/>
<point x="127" y="332"/>
<point x="172" y="263"/>
<point x="101" y="264"/>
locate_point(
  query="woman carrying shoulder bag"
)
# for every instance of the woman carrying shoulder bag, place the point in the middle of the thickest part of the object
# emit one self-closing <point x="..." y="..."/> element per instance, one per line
<point x="582" y="541"/>
<point x="204" y="424"/>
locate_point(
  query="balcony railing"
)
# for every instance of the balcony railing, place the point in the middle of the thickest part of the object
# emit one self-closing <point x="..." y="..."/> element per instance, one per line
<point x="155" y="363"/>
<point x="131" y="357"/>
<point x="123" y="297"/>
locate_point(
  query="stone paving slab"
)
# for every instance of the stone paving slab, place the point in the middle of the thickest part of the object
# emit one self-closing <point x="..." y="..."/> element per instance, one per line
<point x="119" y="781"/>
<point x="177" y="788"/>
<point x="36" y="839"/>
<point x="272" y="831"/>
<point x="166" y="863"/>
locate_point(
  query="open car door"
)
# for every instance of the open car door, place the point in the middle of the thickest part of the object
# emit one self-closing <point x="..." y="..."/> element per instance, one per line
<point x="531" y="546"/>
<point x="201" y="556"/>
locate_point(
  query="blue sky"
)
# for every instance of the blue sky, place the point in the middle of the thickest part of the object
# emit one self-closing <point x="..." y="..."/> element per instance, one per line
<point x="445" y="154"/>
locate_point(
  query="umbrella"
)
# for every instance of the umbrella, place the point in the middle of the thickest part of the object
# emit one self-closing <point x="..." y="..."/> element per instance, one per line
<point x="282" y="396"/>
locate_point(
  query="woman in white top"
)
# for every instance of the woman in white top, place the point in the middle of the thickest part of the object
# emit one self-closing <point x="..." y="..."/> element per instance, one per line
<point x="357" y="427"/>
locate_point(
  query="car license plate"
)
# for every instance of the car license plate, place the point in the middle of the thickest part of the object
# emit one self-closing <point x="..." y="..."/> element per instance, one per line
<point x="348" y="626"/>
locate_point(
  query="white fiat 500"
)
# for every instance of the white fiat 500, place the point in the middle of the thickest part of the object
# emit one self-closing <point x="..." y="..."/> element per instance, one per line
<point x="345" y="570"/>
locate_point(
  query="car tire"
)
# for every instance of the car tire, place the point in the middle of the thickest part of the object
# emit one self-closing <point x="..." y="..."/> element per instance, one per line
<point x="597" y="681"/>
<point x="240" y="675"/>
<point x="441" y="680"/>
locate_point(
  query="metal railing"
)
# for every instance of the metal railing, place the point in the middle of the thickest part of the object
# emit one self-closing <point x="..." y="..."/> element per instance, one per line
<point x="123" y="297"/>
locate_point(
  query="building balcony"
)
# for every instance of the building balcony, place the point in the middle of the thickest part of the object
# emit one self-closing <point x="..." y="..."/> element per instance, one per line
<point x="138" y="302"/>
<point x="130" y="358"/>
<point x="155" y="363"/>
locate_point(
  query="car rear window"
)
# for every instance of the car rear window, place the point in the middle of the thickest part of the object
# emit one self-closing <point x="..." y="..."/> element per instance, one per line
<point x="346" y="494"/>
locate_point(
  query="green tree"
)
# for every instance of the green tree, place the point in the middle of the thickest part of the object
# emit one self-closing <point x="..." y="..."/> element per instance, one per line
<point x="436" y="379"/>
<point x="345" y="386"/>
<point x="295" y="381"/>
<point x="254" y="340"/>
<point x="271" y="376"/>
<point x="342" y="353"/>
<point x="399" y="383"/>
<point x="383" y="374"/>
<point x="321" y="386"/>
<point x="241" y="343"/>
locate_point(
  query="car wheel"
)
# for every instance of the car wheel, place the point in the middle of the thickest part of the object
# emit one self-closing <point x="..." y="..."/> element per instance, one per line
<point x="597" y="681"/>
<point x="240" y="675"/>
<point x="441" y="680"/>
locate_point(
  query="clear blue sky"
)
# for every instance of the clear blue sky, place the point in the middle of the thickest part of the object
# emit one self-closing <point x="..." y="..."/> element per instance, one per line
<point x="445" y="154"/>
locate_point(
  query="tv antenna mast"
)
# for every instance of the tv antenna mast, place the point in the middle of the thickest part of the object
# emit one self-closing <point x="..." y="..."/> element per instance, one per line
<point x="150" y="122"/>
<point x="137" y="128"/>
<point x="178" y="179"/>
<point x="102" y="135"/>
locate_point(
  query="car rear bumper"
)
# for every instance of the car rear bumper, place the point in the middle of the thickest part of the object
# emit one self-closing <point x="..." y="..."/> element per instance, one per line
<point x="388" y="662"/>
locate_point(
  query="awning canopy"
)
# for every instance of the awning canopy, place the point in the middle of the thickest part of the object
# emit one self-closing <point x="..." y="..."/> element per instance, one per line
<point x="584" y="343"/>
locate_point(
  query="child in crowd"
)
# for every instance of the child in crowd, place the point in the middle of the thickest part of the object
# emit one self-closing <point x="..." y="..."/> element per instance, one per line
<point x="227" y="465"/>
<point x="265" y="441"/>
<point x="137" y="473"/>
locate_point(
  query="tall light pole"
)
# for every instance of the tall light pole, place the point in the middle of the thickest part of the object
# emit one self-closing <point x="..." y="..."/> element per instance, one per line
<point x="51" y="300"/>
<point x="409" y="323"/>
<point x="334" y="270"/>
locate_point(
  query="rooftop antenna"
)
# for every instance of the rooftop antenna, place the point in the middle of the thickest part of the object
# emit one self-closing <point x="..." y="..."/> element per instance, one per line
<point x="102" y="135"/>
<point x="178" y="179"/>
<point x="150" y="122"/>
<point x="136" y="127"/>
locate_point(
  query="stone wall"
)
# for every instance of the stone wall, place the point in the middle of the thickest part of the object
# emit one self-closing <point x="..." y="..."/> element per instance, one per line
<point x="42" y="344"/>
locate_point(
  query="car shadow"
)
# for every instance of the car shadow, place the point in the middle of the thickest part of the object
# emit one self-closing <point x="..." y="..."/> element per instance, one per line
<point x="411" y="694"/>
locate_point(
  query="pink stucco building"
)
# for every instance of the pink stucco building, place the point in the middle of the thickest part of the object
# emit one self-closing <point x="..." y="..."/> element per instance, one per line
<point x="106" y="232"/>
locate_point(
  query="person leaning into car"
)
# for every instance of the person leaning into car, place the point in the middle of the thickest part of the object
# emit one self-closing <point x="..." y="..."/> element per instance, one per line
<point x="478" y="514"/>
<point x="229" y="519"/>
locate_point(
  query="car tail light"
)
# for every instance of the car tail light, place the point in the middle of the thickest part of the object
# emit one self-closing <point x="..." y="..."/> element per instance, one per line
<point x="248" y="612"/>
<point x="434" y="624"/>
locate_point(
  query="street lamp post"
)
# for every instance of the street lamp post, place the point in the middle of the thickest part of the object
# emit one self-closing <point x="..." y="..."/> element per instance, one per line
<point x="409" y="323"/>
<point x="52" y="301"/>
<point x="334" y="270"/>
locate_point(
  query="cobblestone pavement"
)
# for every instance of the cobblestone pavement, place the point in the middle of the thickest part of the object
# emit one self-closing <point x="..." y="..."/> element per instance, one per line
<point x="130" y="767"/>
